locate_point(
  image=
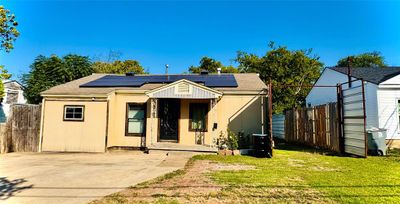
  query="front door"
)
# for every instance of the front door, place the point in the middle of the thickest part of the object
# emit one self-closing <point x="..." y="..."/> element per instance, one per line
<point x="168" y="113"/>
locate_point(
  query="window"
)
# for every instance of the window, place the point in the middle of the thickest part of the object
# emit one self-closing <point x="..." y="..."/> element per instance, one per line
<point x="73" y="113"/>
<point x="135" y="119"/>
<point x="198" y="116"/>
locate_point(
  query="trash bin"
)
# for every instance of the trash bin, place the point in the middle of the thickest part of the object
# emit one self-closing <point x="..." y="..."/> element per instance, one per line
<point x="377" y="141"/>
<point x="261" y="145"/>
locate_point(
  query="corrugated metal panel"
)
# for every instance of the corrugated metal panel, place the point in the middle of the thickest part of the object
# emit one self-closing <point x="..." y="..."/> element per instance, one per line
<point x="278" y="126"/>
<point x="197" y="93"/>
<point x="354" y="121"/>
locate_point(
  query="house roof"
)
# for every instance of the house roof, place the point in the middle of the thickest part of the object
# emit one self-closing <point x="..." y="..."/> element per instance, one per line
<point x="374" y="75"/>
<point x="6" y="81"/>
<point x="245" y="82"/>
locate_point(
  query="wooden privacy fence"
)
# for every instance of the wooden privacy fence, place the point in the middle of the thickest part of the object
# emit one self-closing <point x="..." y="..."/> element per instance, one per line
<point x="21" y="131"/>
<point x="315" y="126"/>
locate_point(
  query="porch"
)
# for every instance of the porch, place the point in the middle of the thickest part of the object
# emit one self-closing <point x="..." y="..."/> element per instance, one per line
<point x="182" y="117"/>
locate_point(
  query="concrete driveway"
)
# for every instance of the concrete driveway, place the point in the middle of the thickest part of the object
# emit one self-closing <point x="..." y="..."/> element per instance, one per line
<point x="78" y="177"/>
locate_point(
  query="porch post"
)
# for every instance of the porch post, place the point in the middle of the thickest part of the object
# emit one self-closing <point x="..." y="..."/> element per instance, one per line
<point x="153" y="115"/>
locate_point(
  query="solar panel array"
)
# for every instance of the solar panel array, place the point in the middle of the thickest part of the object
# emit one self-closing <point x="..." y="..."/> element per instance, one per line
<point x="223" y="80"/>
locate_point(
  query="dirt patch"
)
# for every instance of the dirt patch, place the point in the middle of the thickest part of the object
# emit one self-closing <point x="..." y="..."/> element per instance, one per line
<point x="189" y="186"/>
<point x="194" y="185"/>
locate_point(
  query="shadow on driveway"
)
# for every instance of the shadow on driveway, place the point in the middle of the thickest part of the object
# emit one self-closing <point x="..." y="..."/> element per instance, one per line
<point x="9" y="187"/>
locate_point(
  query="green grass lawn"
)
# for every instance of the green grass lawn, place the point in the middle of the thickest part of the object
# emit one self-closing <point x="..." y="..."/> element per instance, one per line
<point x="296" y="175"/>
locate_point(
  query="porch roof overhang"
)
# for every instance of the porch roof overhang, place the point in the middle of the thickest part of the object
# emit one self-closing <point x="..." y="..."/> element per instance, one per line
<point x="184" y="89"/>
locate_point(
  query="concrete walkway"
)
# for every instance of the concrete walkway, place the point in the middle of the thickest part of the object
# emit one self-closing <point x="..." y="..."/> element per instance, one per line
<point x="78" y="177"/>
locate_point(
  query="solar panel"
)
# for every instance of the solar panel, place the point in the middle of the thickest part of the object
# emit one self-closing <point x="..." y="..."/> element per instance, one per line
<point x="224" y="80"/>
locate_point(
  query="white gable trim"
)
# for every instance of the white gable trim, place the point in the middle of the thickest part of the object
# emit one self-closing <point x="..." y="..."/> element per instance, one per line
<point x="184" y="89"/>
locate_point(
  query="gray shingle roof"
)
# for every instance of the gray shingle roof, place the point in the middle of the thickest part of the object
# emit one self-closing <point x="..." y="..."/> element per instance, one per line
<point x="374" y="75"/>
<point x="245" y="81"/>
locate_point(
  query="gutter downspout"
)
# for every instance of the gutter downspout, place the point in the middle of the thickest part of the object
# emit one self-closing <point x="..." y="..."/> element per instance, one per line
<point x="41" y="124"/>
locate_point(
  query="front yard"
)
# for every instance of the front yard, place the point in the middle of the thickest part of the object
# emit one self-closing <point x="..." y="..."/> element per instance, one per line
<point x="293" y="175"/>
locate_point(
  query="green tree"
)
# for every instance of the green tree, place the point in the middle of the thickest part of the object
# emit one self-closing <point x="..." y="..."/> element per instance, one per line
<point x="118" y="67"/>
<point x="290" y="72"/>
<point x="369" y="59"/>
<point x="8" y="29"/>
<point x="3" y="75"/>
<point x="46" y="72"/>
<point x="211" y="65"/>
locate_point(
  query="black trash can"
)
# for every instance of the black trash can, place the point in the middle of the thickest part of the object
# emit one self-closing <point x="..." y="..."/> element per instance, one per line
<point x="261" y="146"/>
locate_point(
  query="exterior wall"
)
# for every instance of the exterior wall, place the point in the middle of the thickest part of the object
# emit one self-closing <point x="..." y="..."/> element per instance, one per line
<point x="388" y="93"/>
<point x="319" y="95"/>
<point x="387" y="110"/>
<point x="371" y="105"/>
<point x="236" y="112"/>
<point x="392" y="81"/>
<point x="323" y="95"/>
<point x="117" y="118"/>
<point x="188" y="137"/>
<point x="239" y="113"/>
<point x="10" y="87"/>
<point x="74" y="136"/>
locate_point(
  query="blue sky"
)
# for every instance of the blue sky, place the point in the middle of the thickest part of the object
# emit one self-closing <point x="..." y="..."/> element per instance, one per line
<point x="179" y="33"/>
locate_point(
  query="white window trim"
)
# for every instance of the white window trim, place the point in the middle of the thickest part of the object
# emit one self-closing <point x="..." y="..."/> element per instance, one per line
<point x="74" y="119"/>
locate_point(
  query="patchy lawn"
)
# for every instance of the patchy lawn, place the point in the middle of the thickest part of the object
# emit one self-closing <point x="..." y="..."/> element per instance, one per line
<point x="293" y="175"/>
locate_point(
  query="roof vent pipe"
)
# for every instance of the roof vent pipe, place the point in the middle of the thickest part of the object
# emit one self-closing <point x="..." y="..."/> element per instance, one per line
<point x="219" y="70"/>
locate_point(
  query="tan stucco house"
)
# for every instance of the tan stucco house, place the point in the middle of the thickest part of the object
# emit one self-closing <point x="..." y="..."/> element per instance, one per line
<point x="187" y="112"/>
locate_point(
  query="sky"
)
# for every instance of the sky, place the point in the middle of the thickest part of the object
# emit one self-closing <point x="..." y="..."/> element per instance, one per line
<point x="180" y="32"/>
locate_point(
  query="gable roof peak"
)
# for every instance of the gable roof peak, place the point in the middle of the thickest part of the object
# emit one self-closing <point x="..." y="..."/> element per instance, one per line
<point x="374" y="75"/>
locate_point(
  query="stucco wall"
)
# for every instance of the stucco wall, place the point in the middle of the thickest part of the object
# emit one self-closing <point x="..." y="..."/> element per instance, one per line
<point x="236" y="112"/>
<point x="80" y="136"/>
<point x="240" y="113"/>
<point x="117" y="118"/>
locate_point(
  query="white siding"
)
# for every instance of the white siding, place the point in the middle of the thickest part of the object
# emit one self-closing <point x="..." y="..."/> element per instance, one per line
<point x="387" y="110"/>
<point x="371" y="105"/>
<point x="318" y="95"/>
<point x="394" y="80"/>
<point x="323" y="95"/>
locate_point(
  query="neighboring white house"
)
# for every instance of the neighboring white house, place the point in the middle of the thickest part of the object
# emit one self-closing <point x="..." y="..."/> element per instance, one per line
<point x="13" y="94"/>
<point x="382" y="95"/>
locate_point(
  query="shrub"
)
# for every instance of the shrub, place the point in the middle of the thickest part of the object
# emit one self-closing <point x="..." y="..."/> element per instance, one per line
<point x="232" y="140"/>
<point x="222" y="141"/>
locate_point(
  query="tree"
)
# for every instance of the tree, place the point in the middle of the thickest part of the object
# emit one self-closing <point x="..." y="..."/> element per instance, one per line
<point x="369" y="59"/>
<point x="290" y="72"/>
<point x="3" y="75"/>
<point x="47" y="72"/>
<point x="211" y="65"/>
<point x="8" y="34"/>
<point x="118" y="67"/>
<point x="8" y="29"/>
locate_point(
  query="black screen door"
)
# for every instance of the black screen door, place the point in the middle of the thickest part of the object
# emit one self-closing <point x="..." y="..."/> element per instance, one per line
<point x="168" y="113"/>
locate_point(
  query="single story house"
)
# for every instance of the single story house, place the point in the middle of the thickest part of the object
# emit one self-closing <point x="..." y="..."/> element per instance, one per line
<point x="13" y="94"/>
<point x="186" y="112"/>
<point x="382" y="95"/>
